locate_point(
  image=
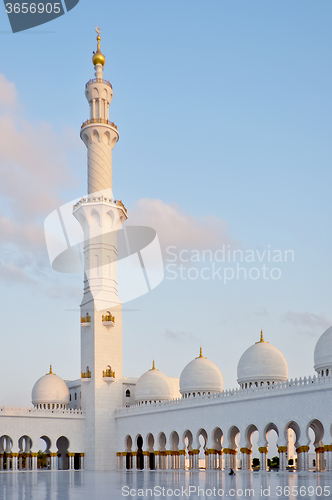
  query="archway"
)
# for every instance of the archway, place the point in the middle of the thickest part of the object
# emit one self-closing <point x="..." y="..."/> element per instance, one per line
<point x="231" y="451"/>
<point x="6" y="445"/>
<point x="24" y="454"/>
<point x="202" y="439"/>
<point x="216" y="459"/>
<point x="188" y="446"/>
<point x="162" y="450"/>
<point x="292" y="434"/>
<point x="315" y="434"/>
<point x="270" y="457"/>
<point x="251" y="436"/>
<point x="140" y="456"/>
<point x="150" y="441"/>
<point x="62" y="445"/>
<point x="175" y="457"/>
<point x="44" y="445"/>
<point x="129" y="457"/>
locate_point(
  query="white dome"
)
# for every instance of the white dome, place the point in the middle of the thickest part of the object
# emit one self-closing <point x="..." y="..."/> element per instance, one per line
<point x="50" y="390"/>
<point x="323" y="351"/>
<point x="200" y="376"/>
<point x="153" y="385"/>
<point x="262" y="362"/>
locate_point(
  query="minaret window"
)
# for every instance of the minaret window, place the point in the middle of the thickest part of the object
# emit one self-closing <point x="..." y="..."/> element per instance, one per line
<point x="127" y="393"/>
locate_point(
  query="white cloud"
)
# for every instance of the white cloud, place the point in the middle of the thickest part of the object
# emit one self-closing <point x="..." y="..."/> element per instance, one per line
<point x="179" y="335"/>
<point x="34" y="171"/>
<point x="176" y="227"/>
<point x="308" y="323"/>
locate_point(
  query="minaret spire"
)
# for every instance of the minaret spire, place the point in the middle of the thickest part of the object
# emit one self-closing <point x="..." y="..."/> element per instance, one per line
<point x="98" y="58"/>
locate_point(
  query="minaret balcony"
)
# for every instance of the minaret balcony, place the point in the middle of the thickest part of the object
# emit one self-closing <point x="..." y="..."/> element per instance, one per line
<point x="99" y="80"/>
<point x="108" y="320"/>
<point x="109" y="375"/>
<point x="86" y="321"/>
<point x="99" y="120"/>
<point x="86" y="376"/>
<point x="103" y="198"/>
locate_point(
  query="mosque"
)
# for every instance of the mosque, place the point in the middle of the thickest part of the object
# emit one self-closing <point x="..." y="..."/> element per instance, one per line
<point x="105" y="421"/>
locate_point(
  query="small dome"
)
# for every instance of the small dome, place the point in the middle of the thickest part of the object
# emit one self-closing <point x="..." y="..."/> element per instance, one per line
<point x="50" y="390"/>
<point x="200" y="376"/>
<point x="323" y="351"/>
<point x="262" y="362"/>
<point x="153" y="385"/>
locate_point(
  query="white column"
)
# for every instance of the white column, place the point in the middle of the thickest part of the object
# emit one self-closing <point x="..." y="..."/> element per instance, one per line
<point x="182" y="459"/>
<point x="14" y="461"/>
<point x="263" y="460"/>
<point x="81" y="460"/>
<point x="134" y="461"/>
<point x="146" y="460"/>
<point x="34" y="461"/>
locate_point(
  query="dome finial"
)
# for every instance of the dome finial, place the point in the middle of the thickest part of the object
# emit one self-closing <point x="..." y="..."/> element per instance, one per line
<point x="153" y="365"/>
<point x="98" y="57"/>
<point x="51" y="370"/>
<point x="200" y="353"/>
<point x="261" y="340"/>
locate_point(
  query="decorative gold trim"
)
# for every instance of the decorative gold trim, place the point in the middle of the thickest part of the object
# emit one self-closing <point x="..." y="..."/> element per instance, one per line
<point x="108" y="317"/>
<point x="282" y="449"/>
<point x="302" y="449"/>
<point x="108" y="373"/>
<point x="87" y="319"/>
<point x="248" y="451"/>
<point x="262" y="449"/>
<point x="200" y="354"/>
<point x="98" y="57"/>
<point x="261" y="341"/>
<point x="153" y="367"/>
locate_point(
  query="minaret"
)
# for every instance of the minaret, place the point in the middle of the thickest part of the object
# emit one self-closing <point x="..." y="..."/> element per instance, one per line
<point x="101" y="312"/>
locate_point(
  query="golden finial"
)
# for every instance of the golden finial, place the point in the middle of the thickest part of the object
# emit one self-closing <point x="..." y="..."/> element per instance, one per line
<point x="98" y="57"/>
<point x="153" y="366"/>
<point x="261" y="340"/>
<point x="51" y="373"/>
<point x="200" y="353"/>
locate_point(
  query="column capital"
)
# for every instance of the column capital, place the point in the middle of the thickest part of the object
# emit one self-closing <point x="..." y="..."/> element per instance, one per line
<point x="282" y="449"/>
<point x="248" y="451"/>
<point x="262" y="449"/>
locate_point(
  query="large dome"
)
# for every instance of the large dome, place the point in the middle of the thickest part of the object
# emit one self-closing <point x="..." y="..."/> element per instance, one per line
<point x="323" y="353"/>
<point x="200" y="376"/>
<point x="50" y="391"/>
<point x="153" y="385"/>
<point x="261" y="363"/>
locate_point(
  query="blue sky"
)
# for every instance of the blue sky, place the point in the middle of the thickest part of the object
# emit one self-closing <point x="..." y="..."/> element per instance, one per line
<point x="224" y="114"/>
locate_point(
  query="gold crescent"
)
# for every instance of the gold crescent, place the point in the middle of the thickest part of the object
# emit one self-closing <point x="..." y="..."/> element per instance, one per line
<point x="98" y="30"/>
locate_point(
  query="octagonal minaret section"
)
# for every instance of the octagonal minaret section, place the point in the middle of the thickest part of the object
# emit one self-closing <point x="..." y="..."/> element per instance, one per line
<point x="98" y="133"/>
